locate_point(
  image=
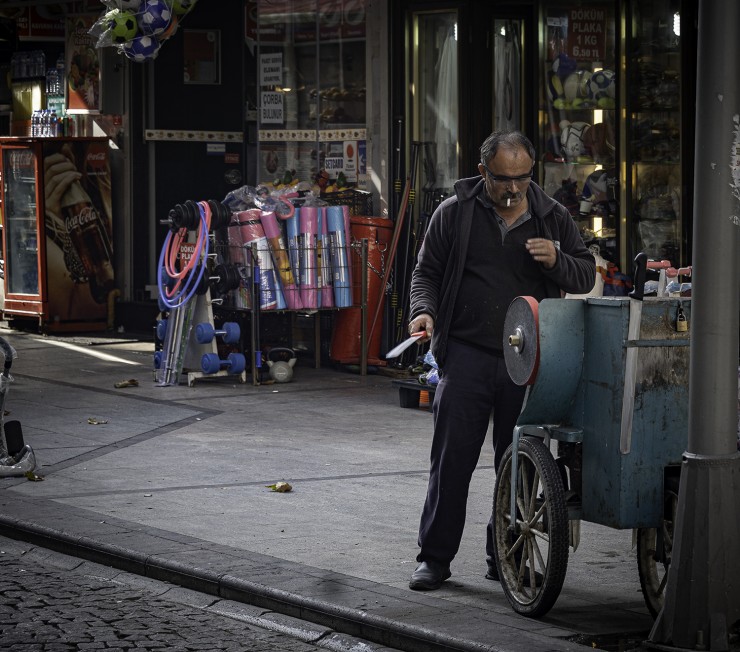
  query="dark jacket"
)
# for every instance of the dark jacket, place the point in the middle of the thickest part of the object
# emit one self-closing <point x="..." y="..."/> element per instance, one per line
<point x="439" y="268"/>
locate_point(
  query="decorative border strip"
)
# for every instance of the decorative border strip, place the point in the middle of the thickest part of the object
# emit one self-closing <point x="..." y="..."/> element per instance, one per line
<point x="289" y="135"/>
<point x="184" y="135"/>
<point x="310" y="135"/>
<point x="326" y="135"/>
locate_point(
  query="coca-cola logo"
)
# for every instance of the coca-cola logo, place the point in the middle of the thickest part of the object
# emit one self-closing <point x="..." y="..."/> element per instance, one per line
<point x="86" y="215"/>
<point x="96" y="159"/>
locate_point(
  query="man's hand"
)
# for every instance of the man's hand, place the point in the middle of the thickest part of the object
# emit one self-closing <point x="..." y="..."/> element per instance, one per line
<point x="422" y="322"/>
<point x="543" y="251"/>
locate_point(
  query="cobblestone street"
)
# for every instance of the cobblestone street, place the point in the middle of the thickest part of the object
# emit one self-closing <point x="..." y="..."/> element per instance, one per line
<point x="53" y="602"/>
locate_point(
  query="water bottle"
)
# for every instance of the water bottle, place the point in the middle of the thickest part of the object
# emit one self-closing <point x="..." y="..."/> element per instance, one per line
<point x="53" y="124"/>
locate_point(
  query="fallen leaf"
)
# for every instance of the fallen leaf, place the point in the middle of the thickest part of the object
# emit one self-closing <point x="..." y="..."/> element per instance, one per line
<point x="96" y="422"/>
<point x="280" y="487"/>
<point x="30" y="475"/>
<point x="131" y="382"/>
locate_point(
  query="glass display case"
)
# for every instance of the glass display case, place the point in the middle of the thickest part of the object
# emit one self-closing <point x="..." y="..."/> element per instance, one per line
<point x="578" y="124"/>
<point x="654" y="129"/>
<point x="19" y="167"/>
<point x="312" y="117"/>
<point x="57" y="231"/>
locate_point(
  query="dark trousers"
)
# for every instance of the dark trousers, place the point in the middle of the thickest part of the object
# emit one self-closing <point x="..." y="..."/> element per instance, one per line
<point x="472" y="386"/>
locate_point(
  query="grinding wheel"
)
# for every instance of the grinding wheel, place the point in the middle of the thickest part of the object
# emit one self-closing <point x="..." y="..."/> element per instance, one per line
<point x="521" y="340"/>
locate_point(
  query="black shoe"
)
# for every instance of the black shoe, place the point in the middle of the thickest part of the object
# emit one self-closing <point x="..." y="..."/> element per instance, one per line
<point x="492" y="574"/>
<point x="429" y="576"/>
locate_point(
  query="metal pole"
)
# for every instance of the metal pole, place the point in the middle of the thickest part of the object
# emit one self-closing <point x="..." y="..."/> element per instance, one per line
<point x="363" y="311"/>
<point x="702" y="597"/>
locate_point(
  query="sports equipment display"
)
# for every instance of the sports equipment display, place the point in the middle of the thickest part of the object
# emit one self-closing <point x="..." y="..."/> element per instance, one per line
<point x="141" y="48"/>
<point x="235" y="363"/>
<point x="230" y="332"/>
<point x="280" y="259"/>
<point x="338" y="254"/>
<point x="323" y="262"/>
<point x="601" y="84"/>
<point x="154" y="17"/>
<point x="576" y="86"/>
<point x="563" y="65"/>
<point x="122" y="26"/>
<point x="308" y="225"/>
<point x="571" y="138"/>
<point x="555" y="88"/>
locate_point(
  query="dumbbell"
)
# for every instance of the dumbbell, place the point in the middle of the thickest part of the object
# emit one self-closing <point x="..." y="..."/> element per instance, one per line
<point x="210" y="363"/>
<point x="230" y="332"/>
<point x="220" y="214"/>
<point x="184" y="216"/>
<point x="161" y="329"/>
<point x="226" y="278"/>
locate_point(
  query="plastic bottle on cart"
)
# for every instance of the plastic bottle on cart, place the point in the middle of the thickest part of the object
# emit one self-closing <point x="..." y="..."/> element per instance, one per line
<point x="53" y="124"/>
<point x="89" y="236"/>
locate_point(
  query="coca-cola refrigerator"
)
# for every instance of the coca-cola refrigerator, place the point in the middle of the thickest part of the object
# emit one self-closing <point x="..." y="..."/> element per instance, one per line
<point x="57" y="232"/>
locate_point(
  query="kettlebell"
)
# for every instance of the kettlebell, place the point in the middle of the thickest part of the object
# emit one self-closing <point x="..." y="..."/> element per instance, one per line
<point x="281" y="371"/>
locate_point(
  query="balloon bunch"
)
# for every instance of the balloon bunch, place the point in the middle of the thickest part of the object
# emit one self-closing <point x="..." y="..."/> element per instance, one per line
<point x="137" y="28"/>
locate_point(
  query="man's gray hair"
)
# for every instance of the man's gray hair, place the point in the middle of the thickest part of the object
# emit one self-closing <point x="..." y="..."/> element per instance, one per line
<point x="513" y="139"/>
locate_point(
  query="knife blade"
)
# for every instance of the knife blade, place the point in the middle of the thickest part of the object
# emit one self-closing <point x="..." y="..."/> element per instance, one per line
<point x="630" y="363"/>
<point x="400" y="348"/>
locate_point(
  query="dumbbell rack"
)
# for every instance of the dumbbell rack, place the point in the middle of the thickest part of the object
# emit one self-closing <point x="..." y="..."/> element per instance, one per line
<point x="194" y="352"/>
<point x="184" y="349"/>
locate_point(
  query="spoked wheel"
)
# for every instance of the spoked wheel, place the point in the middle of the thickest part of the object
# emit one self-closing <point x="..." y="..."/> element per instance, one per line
<point x="654" y="551"/>
<point x="532" y="556"/>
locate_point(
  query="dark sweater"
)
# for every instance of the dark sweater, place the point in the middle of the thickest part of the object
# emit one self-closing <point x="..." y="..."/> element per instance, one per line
<point x="436" y="280"/>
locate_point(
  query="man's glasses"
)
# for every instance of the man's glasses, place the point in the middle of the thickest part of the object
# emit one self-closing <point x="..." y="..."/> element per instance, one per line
<point x="499" y="178"/>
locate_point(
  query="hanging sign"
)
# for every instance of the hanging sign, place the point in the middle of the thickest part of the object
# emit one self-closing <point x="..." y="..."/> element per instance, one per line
<point x="271" y="108"/>
<point x="271" y="69"/>
<point x="587" y="33"/>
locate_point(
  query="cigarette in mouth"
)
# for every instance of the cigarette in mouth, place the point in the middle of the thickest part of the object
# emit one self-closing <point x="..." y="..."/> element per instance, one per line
<point x="508" y="202"/>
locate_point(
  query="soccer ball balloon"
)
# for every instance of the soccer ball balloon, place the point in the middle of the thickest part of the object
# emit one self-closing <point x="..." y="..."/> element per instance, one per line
<point x="575" y="85"/>
<point x="571" y="138"/>
<point x="122" y="26"/>
<point x="154" y="17"/>
<point x="141" y="48"/>
<point x="602" y="84"/>
<point x="554" y="87"/>
<point x="563" y="65"/>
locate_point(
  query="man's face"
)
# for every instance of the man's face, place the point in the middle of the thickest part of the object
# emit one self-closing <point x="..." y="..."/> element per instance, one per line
<point x="507" y="176"/>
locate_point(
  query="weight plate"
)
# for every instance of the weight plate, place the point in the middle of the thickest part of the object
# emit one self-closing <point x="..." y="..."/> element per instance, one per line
<point x="522" y="340"/>
<point x="234" y="277"/>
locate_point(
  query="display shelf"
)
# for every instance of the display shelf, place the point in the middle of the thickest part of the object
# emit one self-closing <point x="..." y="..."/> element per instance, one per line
<point x="654" y="131"/>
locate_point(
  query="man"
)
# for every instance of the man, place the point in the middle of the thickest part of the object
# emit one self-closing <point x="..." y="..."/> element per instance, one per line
<point x="500" y="236"/>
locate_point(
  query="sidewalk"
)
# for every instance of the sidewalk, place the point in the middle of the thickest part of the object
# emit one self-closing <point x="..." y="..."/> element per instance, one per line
<point x="170" y="482"/>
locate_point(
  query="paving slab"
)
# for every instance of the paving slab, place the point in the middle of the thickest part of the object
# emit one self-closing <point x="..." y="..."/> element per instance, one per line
<point x="174" y="486"/>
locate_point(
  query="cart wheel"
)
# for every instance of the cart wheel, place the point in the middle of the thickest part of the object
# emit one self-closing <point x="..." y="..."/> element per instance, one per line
<point x="540" y="542"/>
<point x="654" y="550"/>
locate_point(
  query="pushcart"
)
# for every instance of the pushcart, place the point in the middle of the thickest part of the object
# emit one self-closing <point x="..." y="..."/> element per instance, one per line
<point x="600" y="437"/>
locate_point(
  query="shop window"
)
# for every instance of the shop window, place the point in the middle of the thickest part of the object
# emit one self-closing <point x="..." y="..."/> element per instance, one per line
<point x="654" y="129"/>
<point x="578" y="117"/>
<point x="312" y="93"/>
<point x="434" y="100"/>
